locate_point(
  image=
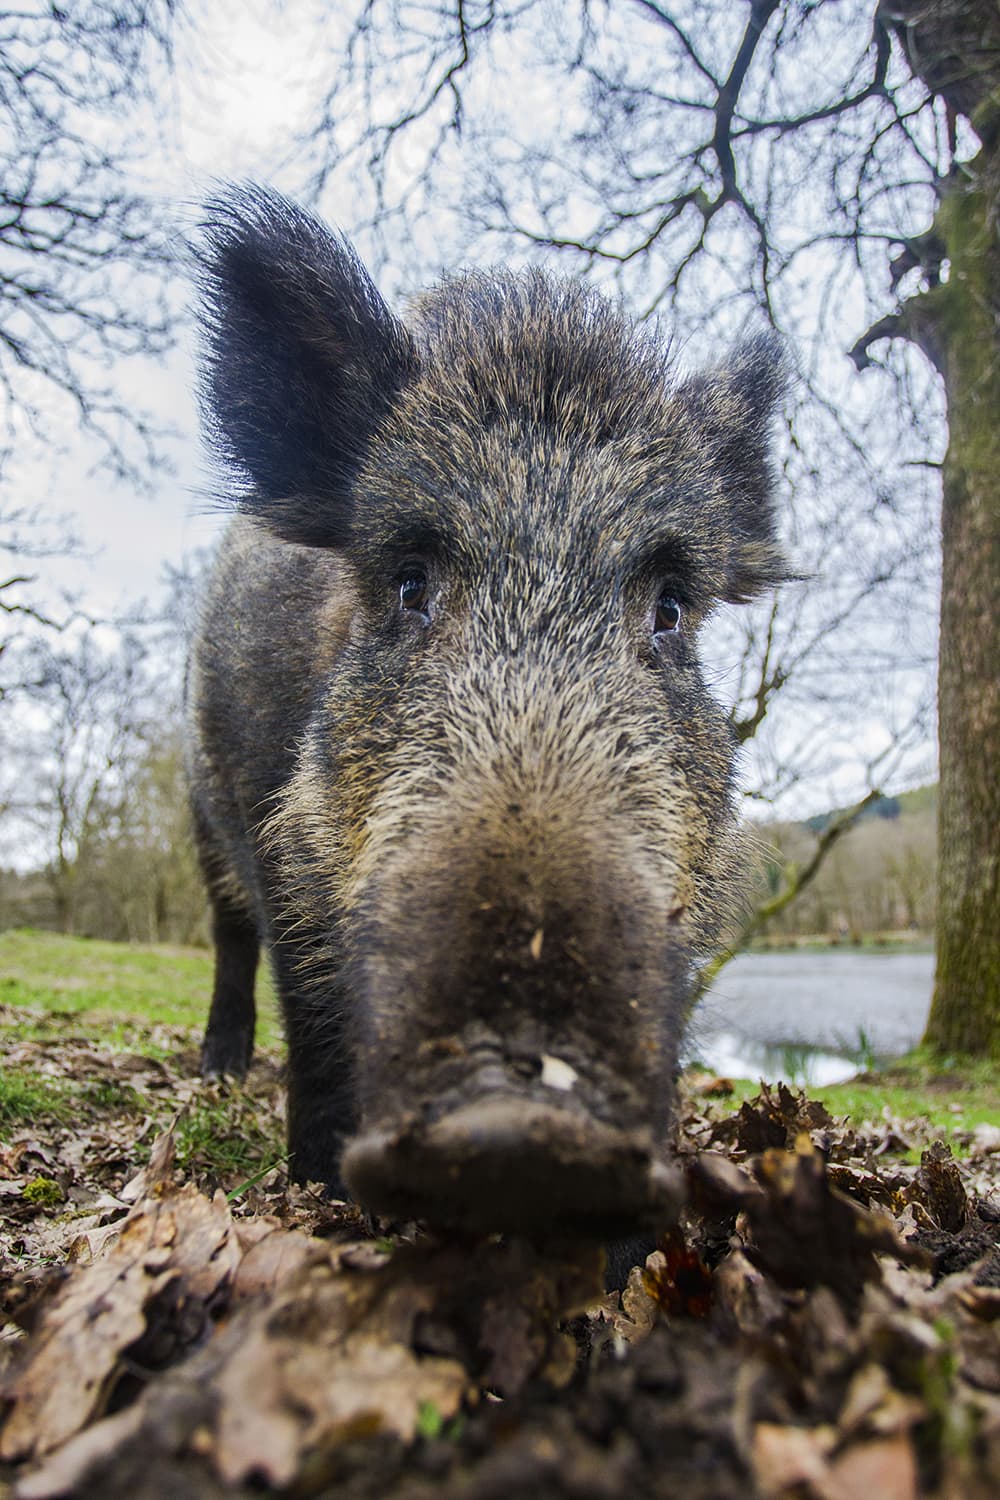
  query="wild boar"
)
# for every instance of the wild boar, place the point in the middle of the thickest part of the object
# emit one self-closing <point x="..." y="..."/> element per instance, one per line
<point x="452" y="758"/>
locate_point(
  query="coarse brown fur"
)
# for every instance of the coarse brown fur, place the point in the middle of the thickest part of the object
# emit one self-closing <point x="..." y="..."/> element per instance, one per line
<point x="498" y="828"/>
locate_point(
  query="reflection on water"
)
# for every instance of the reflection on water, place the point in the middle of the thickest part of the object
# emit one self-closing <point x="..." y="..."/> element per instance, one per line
<point x="732" y="1055"/>
<point x="811" y="1018"/>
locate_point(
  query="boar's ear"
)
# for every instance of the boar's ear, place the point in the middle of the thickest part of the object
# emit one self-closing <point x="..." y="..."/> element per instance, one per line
<point x="731" y="409"/>
<point x="302" y="358"/>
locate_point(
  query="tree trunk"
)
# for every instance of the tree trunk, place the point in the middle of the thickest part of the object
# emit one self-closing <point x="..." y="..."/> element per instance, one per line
<point x="953" y="46"/>
<point x="965" y="328"/>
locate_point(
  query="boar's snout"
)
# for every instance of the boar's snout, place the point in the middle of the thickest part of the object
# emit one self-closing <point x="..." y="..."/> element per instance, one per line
<point x="506" y="1163"/>
<point x="502" y="1163"/>
<point x="517" y="1072"/>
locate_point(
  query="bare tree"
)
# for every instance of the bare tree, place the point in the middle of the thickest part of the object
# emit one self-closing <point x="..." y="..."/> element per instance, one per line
<point x="82" y="253"/>
<point x="66" y="779"/>
<point x="953" y="48"/>
<point x="83" y="279"/>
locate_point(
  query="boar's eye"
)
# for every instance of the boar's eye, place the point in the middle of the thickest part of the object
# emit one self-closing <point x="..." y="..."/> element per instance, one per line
<point x="414" y="592"/>
<point x="667" y="620"/>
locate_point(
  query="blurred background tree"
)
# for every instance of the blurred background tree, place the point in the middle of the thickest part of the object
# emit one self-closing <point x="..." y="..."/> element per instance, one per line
<point x="84" y="257"/>
<point x="95" y="779"/>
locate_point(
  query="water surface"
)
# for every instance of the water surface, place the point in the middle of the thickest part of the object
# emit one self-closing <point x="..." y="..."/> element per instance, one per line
<point x="811" y="1017"/>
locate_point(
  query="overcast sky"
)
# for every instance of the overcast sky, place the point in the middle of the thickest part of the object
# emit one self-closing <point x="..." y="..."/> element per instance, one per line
<point x="240" y="90"/>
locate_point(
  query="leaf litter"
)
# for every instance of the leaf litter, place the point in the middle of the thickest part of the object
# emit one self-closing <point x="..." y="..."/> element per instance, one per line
<point x="822" y="1323"/>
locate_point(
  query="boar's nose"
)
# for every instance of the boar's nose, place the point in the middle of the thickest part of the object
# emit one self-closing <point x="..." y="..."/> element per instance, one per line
<point x="507" y="1164"/>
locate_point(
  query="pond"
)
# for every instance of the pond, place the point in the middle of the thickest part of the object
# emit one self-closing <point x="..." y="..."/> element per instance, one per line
<point x="811" y="1017"/>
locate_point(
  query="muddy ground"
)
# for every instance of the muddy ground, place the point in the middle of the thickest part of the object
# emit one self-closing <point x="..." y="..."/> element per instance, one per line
<point x="823" y="1324"/>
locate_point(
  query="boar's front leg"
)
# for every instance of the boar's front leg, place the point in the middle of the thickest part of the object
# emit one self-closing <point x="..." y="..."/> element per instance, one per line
<point x="321" y="1114"/>
<point x="228" y="1044"/>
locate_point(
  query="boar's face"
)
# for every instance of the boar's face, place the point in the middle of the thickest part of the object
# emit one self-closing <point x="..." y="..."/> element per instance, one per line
<point x="511" y="822"/>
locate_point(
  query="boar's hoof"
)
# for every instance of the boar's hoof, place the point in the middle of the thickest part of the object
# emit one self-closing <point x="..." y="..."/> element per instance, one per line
<point x="504" y="1164"/>
<point x="226" y="1055"/>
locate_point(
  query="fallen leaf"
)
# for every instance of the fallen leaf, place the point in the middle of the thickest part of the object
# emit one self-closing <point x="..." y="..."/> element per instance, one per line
<point x="268" y="1261"/>
<point x="786" y="1457"/>
<point x="745" y="1298"/>
<point x="882" y="1470"/>
<point x="157" y="1170"/>
<point x="101" y="1312"/>
<point x="938" y="1188"/>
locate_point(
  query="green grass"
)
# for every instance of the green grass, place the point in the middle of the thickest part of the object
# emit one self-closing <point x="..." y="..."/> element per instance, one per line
<point x="115" y="987"/>
<point x="107" y="1096"/>
<point x="229" y="1141"/>
<point x="950" y="1094"/>
<point x="25" y="1097"/>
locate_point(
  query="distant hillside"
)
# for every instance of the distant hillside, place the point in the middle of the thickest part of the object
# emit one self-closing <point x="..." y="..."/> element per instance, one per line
<point x="880" y="877"/>
<point x="920" y="800"/>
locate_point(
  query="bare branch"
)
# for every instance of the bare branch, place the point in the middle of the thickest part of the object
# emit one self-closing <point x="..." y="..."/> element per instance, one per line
<point x="795" y="882"/>
<point x="83" y="259"/>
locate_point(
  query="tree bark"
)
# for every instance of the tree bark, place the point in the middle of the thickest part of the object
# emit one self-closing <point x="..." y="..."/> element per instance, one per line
<point x="965" y="330"/>
<point x="954" y="47"/>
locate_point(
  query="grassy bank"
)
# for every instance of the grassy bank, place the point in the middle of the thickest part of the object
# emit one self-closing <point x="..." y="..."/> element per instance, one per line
<point x="113" y="988"/>
<point x="102" y="1039"/>
<point x="869" y="942"/>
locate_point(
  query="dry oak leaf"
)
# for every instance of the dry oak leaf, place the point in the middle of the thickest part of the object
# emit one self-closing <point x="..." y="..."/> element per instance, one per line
<point x="806" y="1233"/>
<point x="101" y="1311"/>
<point x="280" y="1397"/>
<point x="321" y="1359"/>
<point x="745" y="1298"/>
<point x="797" y="1462"/>
<point x="787" y="1460"/>
<point x="938" y="1188"/>
<point x="155" y="1175"/>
